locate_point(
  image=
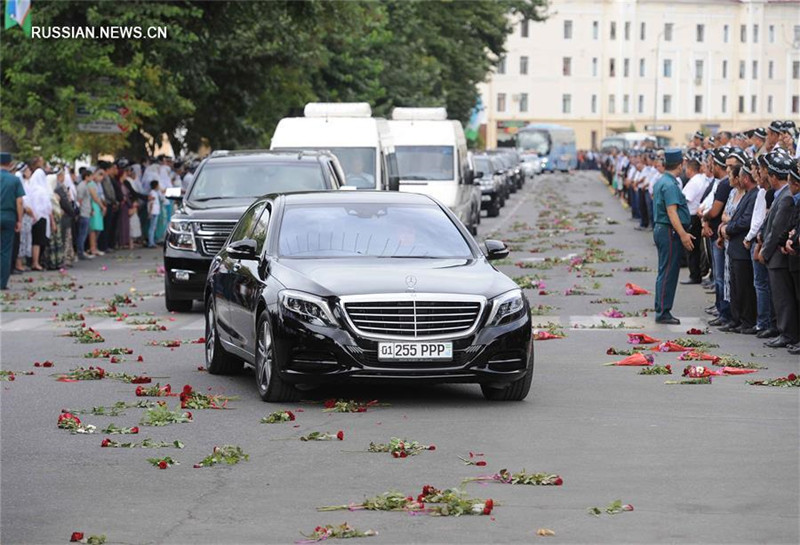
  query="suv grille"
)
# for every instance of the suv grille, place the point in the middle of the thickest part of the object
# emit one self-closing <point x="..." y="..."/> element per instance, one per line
<point x="213" y="234"/>
<point x="414" y="318"/>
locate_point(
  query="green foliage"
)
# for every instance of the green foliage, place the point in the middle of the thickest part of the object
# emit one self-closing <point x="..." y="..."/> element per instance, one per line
<point x="228" y="71"/>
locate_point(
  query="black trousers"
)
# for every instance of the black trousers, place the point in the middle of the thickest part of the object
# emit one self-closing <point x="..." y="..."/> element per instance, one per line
<point x="705" y="260"/>
<point x="784" y="301"/>
<point x="693" y="259"/>
<point x="644" y="210"/>
<point x="743" y="292"/>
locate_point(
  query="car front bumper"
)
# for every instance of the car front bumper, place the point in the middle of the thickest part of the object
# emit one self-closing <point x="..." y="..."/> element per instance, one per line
<point x="318" y="355"/>
<point x="185" y="274"/>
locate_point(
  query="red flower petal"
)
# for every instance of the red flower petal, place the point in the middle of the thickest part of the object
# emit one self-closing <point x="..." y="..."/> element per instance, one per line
<point x="340" y="435"/>
<point x="480" y="463"/>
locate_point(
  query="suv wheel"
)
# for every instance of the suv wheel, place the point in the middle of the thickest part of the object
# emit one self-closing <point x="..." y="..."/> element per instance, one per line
<point x="494" y="208"/>
<point x="175" y="305"/>
<point x="218" y="361"/>
<point x="271" y="387"/>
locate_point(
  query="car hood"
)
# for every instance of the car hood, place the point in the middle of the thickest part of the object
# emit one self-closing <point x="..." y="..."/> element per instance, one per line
<point x="361" y="276"/>
<point x="217" y="213"/>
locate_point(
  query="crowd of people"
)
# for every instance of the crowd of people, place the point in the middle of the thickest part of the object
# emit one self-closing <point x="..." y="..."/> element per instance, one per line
<point x="732" y="202"/>
<point x="53" y="215"/>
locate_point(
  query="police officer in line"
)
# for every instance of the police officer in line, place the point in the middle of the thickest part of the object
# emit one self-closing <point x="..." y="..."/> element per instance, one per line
<point x="11" y="193"/>
<point x="671" y="225"/>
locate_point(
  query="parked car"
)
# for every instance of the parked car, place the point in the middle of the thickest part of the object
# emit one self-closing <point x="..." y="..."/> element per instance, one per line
<point x="492" y="184"/>
<point x="315" y="288"/>
<point x="531" y="165"/>
<point x="510" y="172"/>
<point x="223" y="187"/>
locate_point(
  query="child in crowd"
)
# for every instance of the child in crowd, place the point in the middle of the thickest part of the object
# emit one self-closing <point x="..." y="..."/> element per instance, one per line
<point x="153" y="210"/>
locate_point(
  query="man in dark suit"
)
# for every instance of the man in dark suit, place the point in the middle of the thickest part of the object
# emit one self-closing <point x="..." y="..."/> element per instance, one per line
<point x="792" y="245"/>
<point x="743" y="291"/>
<point x="779" y="164"/>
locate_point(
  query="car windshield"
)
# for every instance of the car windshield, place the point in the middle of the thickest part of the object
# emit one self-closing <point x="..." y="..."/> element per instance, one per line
<point x="482" y="164"/>
<point x="251" y="180"/>
<point x="534" y="141"/>
<point x="358" y="165"/>
<point x="425" y="162"/>
<point x="369" y="230"/>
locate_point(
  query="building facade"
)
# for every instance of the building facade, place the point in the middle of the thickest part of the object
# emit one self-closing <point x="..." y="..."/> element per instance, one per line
<point x="678" y="66"/>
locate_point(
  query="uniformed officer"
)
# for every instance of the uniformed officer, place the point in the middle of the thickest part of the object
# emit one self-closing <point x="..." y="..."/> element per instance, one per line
<point x="672" y="220"/>
<point x="11" y="193"/>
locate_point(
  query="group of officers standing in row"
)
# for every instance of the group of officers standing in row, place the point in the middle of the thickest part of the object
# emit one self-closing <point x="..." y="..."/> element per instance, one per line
<point x="732" y="204"/>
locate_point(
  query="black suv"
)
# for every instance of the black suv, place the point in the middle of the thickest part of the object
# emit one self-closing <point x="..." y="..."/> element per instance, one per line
<point x="492" y="183"/>
<point x="225" y="185"/>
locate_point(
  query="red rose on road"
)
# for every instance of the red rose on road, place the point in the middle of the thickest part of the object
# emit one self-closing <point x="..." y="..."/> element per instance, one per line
<point x="488" y="506"/>
<point x="105" y="442"/>
<point x="140" y="359"/>
<point x="162" y="465"/>
<point x="329" y="403"/>
<point x="792" y="377"/>
<point x="76" y="536"/>
<point x="480" y="463"/>
<point x="403" y="454"/>
<point x="135" y="429"/>
<point x="558" y="482"/>
<point x="340" y="435"/>
<point x="432" y="447"/>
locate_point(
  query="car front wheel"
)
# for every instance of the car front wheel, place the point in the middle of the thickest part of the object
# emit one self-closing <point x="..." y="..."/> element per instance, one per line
<point x="271" y="387"/>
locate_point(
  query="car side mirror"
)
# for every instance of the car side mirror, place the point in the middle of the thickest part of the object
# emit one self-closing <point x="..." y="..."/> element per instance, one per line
<point x="496" y="249"/>
<point x="394" y="183"/>
<point x="243" y="249"/>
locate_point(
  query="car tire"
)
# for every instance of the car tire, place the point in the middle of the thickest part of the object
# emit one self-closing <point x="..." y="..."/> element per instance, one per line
<point x="271" y="387"/>
<point x="515" y="391"/>
<point x="218" y="361"/>
<point x="494" y="208"/>
<point x="175" y="305"/>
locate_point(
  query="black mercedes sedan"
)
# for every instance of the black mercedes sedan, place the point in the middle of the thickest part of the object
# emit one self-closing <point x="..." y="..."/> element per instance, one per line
<point x="314" y="288"/>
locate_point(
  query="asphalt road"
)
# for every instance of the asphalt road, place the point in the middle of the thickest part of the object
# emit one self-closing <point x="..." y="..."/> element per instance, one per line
<point x="700" y="464"/>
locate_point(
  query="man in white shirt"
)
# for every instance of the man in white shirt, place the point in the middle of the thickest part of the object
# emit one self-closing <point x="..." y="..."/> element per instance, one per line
<point x="693" y="191"/>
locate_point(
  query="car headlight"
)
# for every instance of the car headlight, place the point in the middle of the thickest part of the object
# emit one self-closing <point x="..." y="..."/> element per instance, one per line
<point x="181" y="235"/>
<point x="507" y="308"/>
<point x="307" y="308"/>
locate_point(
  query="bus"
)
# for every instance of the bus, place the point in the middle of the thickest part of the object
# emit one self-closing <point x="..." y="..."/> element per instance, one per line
<point x="625" y="141"/>
<point x="554" y="144"/>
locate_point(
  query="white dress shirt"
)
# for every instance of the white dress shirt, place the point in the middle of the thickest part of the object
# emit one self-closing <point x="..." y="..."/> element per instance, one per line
<point x="693" y="191"/>
<point x="759" y="214"/>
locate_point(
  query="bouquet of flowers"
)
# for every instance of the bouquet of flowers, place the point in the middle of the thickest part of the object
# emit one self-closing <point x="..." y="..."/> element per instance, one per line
<point x="693" y="343"/>
<point x="692" y="355"/>
<point x="788" y="381"/>
<point x="624" y="351"/>
<point x="85" y="335"/>
<point x="323" y="436"/>
<point x="669" y="346"/>
<point x="730" y="361"/>
<point x="278" y="417"/>
<point x="637" y="359"/>
<point x="175" y="343"/>
<point x="641" y="338"/>
<point x="162" y="416"/>
<point x="162" y="463"/>
<point x="154" y="391"/>
<point x="191" y="399"/>
<point x="703" y="380"/>
<point x="112" y="429"/>
<point x="107" y="352"/>
<point x="351" y="406"/>
<point x="68" y="421"/>
<point x="506" y="477"/>
<point x="228" y="454"/>
<point x="400" y="448"/>
<point x="633" y="289"/>
<point x="82" y="373"/>
<point x="612" y="509"/>
<point x="657" y="370"/>
<point x="146" y="443"/>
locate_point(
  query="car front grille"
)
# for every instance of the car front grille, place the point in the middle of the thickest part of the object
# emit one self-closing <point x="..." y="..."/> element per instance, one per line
<point x="412" y="317"/>
<point x="213" y="234"/>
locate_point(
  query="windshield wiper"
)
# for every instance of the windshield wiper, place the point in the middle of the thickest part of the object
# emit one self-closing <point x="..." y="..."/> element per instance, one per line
<point x="204" y="199"/>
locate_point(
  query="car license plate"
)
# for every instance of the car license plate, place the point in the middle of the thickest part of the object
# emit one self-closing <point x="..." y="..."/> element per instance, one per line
<point x="486" y="197"/>
<point x="415" y="351"/>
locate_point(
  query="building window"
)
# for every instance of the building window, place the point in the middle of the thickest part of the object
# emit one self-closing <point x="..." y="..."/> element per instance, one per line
<point x="612" y="106"/>
<point x="741" y="70"/>
<point x="741" y="104"/>
<point x="595" y="64"/>
<point x="726" y="33"/>
<point x="795" y="69"/>
<point x="743" y="34"/>
<point x="642" y="32"/>
<point x="667" y="68"/>
<point x="613" y="31"/>
<point x="595" y="30"/>
<point x="755" y="69"/>
<point x="566" y="66"/>
<point x="796" y="104"/>
<point x="796" y="33"/>
<point x="698" y="104"/>
<point x="626" y="68"/>
<point x="772" y="34"/>
<point x="724" y="104"/>
<point x="594" y="104"/>
<point x="523" y="28"/>
<point x="698" y="70"/>
<point x="641" y="68"/>
<point x="769" y="104"/>
<point x="667" y="104"/>
<point x="501" y="102"/>
<point x="501" y="65"/>
<point x="626" y="106"/>
<point x="523" y="65"/>
<point x="668" y="32"/>
<point x="641" y="104"/>
<point x="566" y="104"/>
<point x="724" y="69"/>
<point x="567" y="30"/>
<point x="701" y="33"/>
<point x="523" y="102"/>
<point x="612" y="67"/>
<point x="755" y="34"/>
<point x="753" y="104"/>
<point x="771" y="70"/>
<point x="627" y="31"/>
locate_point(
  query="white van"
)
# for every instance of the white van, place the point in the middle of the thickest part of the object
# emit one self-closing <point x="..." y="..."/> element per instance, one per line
<point x="362" y="143"/>
<point x="432" y="159"/>
<point x="625" y="141"/>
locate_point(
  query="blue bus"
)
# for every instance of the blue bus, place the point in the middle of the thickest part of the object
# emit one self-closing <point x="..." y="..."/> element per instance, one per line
<point x="554" y="144"/>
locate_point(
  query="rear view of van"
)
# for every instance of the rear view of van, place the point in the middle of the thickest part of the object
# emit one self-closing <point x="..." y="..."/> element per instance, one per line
<point x="432" y="159"/>
<point x="362" y="143"/>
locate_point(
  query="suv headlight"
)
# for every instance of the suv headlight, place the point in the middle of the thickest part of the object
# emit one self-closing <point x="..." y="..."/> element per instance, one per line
<point x="507" y="308"/>
<point x="181" y="235"/>
<point x="307" y="308"/>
